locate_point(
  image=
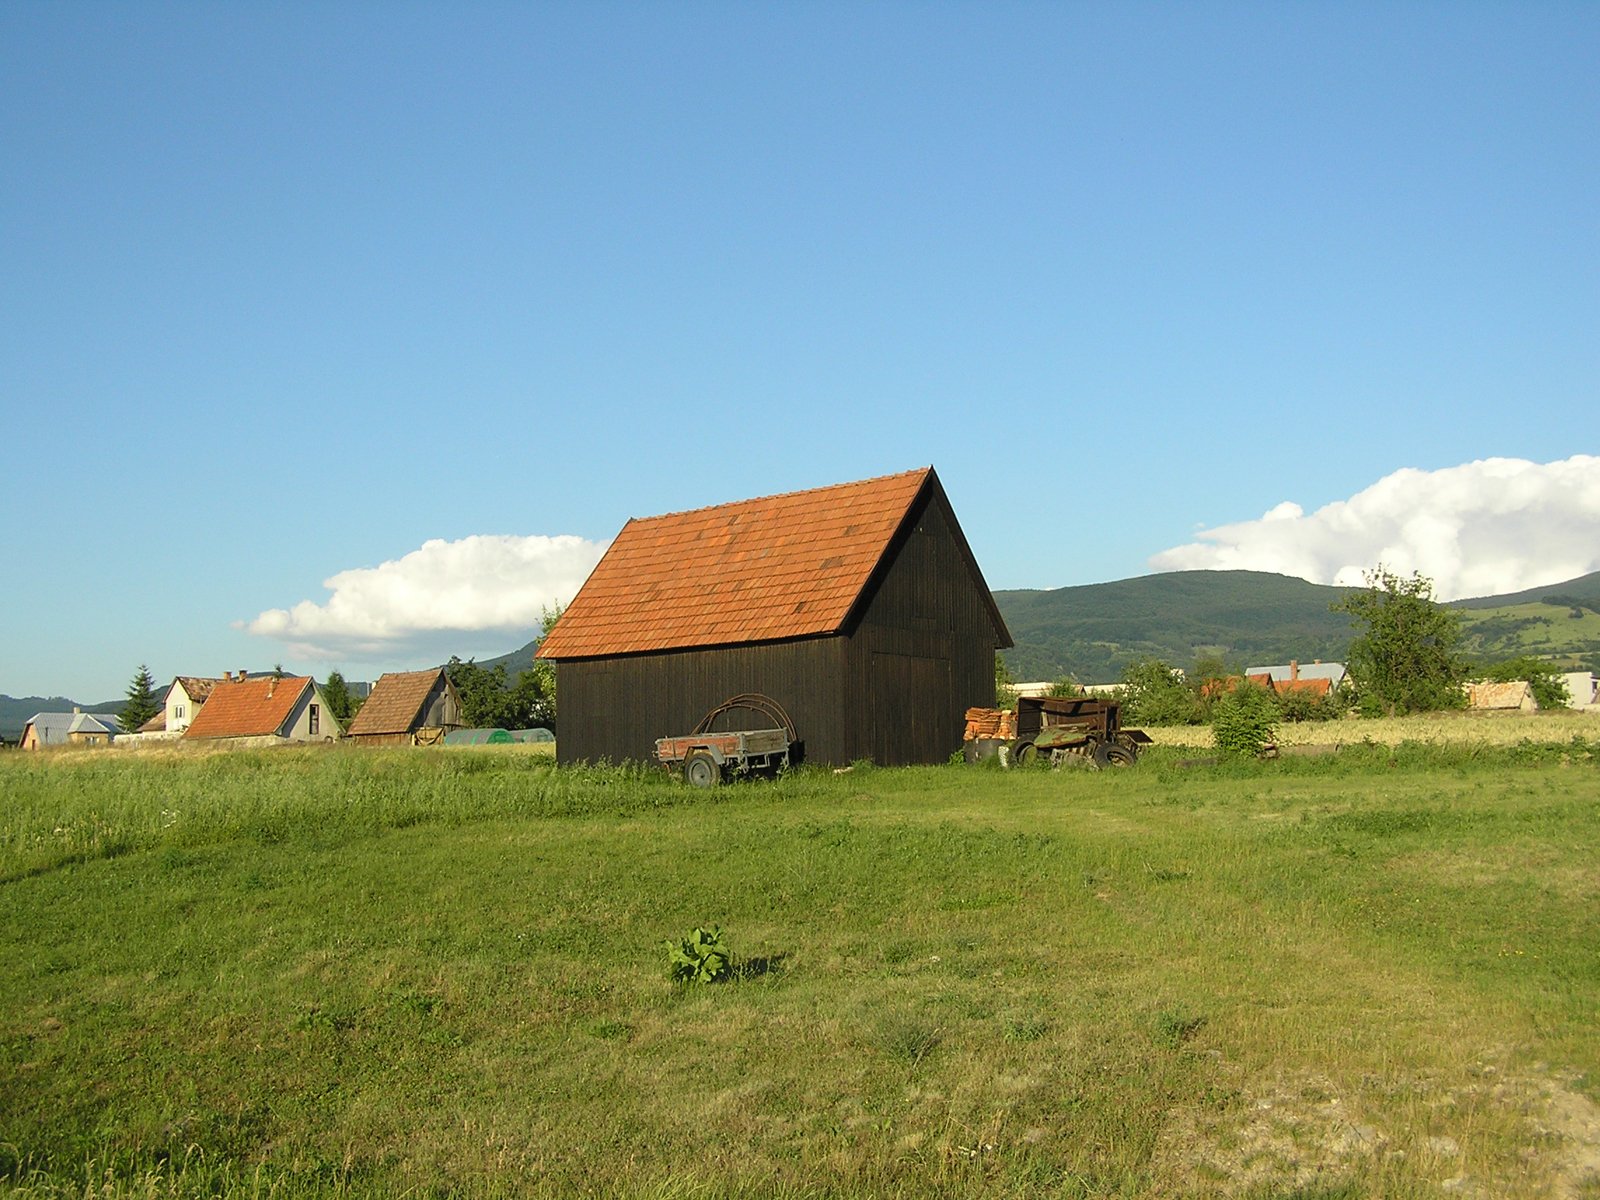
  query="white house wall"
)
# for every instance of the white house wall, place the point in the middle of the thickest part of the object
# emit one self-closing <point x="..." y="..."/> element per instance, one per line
<point x="298" y="727"/>
<point x="179" y="702"/>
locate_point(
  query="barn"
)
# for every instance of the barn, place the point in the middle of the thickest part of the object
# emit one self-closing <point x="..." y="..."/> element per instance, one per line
<point x="858" y="607"/>
<point x="408" y="708"/>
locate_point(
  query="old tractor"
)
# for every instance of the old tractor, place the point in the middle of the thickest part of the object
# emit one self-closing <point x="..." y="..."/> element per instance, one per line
<point x="1079" y="728"/>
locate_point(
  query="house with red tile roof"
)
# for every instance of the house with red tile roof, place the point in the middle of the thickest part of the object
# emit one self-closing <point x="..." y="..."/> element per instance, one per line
<point x="408" y="708"/>
<point x="185" y="695"/>
<point x="859" y="608"/>
<point x="265" y="712"/>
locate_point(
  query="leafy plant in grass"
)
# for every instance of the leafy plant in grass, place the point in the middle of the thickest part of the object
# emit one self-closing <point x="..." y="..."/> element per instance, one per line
<point x="1243" y="720"/>
<point x="700" y="958"/>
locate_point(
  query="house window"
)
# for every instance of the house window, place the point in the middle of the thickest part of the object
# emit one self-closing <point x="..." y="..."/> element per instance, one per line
<point x="316" y="719"/>
<point x="177" y="712"/>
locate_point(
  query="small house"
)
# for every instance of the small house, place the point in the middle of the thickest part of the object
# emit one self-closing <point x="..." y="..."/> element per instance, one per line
<point x="1316" y="678"/>
<point x="76" y="728"/>
<point x="265" y="712"/>
<point x="1514" y="696"/>
<point x="408" y="708"/>
<point x="185" y="695"/>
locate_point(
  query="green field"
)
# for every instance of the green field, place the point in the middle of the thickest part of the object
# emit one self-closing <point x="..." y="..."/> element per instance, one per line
<point x="1568" y="636"/>
<point x="370" y="973"/>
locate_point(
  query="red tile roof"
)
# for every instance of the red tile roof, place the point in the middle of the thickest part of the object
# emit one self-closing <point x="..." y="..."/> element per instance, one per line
<point x="396" y="702"/>
<point x="757" y="570"/>
<point x="1316" y="688"/>
<point x="254" y="708"/>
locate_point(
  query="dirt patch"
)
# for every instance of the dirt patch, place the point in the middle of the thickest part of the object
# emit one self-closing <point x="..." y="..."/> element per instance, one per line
<point x="1528" y="1135"/>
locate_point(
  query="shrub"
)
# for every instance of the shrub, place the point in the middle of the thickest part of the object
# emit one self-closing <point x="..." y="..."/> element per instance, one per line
<point x="1243" y="719"/>
<point x="1152" y="693"/>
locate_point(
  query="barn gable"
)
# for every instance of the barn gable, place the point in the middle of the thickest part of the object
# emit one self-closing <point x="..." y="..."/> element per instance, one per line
<point x="858" y="607"/>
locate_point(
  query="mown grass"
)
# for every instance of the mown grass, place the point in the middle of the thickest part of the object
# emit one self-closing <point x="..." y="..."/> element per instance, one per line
<point x="348" y="972"/>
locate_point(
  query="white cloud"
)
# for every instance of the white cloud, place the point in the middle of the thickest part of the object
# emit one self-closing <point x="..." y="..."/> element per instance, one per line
<point x="484" y="582"/>
<point x="1481" y="529"/>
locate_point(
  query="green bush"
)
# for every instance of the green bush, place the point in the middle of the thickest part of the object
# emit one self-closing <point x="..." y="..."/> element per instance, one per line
<point x="1153" y="693"/>
<point x="1243" y="719"/>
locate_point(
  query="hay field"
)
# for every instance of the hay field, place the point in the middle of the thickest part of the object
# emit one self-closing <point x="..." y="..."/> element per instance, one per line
<point x="1474" y="728"/>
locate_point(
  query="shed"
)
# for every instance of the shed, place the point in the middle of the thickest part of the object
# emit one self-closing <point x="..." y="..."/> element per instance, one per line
<point x="858" y="607"/>
<point x="408" y="708"/>
<point x="1514" y="695"/>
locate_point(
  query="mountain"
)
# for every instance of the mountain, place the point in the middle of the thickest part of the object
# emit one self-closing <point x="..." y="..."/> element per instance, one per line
<point x="1252" y="618"/>
<point x="1090" y="633"/>
<point x="516" y="662"/>
<point x="1584" y="590"/>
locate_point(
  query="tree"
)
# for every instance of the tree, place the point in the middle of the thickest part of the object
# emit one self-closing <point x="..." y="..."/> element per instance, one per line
<point x="142" y="702"/>
<point x="1407" y="659"/>
<point x="341" y="702"/>
<point x="490" y="700"/>
<point x="1153" y="693"/>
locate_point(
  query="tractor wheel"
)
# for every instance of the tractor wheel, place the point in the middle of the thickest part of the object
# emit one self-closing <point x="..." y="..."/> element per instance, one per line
<point x="701" y="770"/>
<point x="1115" y="754"/>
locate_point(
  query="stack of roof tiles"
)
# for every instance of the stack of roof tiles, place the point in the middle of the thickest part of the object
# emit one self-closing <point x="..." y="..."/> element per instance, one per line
<point x="990" y="723"/>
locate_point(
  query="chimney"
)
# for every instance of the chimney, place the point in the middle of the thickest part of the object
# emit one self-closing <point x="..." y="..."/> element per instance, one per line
<point x="241" y="674"/>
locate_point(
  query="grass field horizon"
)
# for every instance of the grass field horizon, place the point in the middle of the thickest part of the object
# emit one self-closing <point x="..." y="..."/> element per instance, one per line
<point x="338" y="971"/>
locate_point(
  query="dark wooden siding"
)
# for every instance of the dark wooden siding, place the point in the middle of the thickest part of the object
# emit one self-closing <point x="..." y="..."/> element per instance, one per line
<point x="616" y="708"/>
<point x="894" y="688"/>
<point x="923" y="651"/>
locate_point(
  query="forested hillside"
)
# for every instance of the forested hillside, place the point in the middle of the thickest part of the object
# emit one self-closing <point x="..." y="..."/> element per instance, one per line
<point x="1252" y="618"/>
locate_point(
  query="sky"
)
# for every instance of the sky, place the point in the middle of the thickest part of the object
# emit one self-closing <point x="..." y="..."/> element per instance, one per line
<point x="346" y="335"/>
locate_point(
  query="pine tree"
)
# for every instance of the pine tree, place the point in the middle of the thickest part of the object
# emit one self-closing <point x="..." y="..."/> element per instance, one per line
<point x="337" y="693"/>
<point x="142" y="703"/>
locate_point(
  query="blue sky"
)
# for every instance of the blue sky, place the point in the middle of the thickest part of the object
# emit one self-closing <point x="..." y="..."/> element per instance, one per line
<point x="373" y="293"/>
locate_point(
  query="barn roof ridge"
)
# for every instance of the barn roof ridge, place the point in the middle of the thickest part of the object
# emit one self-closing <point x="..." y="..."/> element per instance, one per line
<point x="755" y="500"/>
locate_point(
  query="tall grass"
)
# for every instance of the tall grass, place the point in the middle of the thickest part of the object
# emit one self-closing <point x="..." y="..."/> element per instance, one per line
<point x="347" y="972"/>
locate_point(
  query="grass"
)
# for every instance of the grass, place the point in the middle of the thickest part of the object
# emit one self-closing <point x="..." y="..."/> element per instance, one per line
<point x="362" y="973"/>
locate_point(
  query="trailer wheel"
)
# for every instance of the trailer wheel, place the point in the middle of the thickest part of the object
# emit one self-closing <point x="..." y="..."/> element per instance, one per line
<point x="1024" y="754"/>
<point x="701" y="770"/>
